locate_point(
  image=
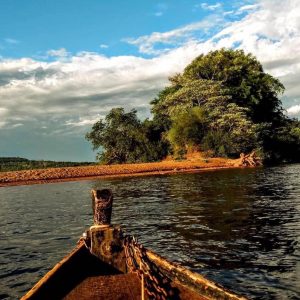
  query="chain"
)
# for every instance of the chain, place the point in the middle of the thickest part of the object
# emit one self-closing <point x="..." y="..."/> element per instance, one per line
<point x="157" y="284"/>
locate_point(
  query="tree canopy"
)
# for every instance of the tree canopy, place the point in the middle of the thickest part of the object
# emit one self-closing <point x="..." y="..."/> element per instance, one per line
<point x="243" y="75"/>
<point x="223" y="102"/>
<point x="122" y="137"/>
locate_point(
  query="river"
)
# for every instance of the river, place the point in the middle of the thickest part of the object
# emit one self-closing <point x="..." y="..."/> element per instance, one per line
<point x="239" y="227"/>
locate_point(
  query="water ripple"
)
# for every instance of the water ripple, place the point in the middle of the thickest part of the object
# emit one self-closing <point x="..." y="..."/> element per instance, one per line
<point x="237" y="227"/>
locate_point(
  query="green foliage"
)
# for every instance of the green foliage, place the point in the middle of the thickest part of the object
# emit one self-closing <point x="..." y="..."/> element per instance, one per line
<point x="281" y="144"/>
<point x="227" y="131"/>
<point x="223" y="103"/>
<point x="240" y="133"/>
<point x="187" y="130"/>
<point x="217" y="142"/>
<point x="187" y="93"/>
<point x="221" y="116"/>
<point x="123" y="138"/>
<point x="157" y="143"/>
<point x="241" y="103"/>
<point x="248" y="85"/>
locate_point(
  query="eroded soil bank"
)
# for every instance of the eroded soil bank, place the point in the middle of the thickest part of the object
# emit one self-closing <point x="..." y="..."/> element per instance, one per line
<point x="84" y="172"/>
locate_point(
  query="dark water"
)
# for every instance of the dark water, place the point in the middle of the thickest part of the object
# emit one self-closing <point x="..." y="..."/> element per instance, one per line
<point x="240" y="228"/>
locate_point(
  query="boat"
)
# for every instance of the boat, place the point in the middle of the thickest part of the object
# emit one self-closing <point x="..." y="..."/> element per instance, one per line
<point x="107" y="264"/>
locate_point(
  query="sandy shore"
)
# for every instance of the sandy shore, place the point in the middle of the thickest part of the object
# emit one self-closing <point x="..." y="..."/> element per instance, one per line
<point x="87" y="172"/>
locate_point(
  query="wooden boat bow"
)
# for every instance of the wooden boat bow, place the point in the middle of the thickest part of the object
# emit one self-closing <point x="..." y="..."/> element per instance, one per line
<point x="106" y="264"/>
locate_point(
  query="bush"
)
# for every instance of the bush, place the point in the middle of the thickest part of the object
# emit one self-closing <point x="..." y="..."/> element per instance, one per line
<point x="187" y="130"/>
<point x="217" y="143"/>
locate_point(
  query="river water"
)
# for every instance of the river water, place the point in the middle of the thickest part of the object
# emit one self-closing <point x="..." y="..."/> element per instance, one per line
<point x="240" y="228"/>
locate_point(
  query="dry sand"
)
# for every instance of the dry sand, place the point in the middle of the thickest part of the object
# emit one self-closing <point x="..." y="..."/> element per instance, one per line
<point x="192" y="164"/>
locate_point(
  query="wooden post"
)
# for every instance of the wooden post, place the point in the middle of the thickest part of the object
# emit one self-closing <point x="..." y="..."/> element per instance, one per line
<point x="102" y="201"/>
<point x="106" y="240"/>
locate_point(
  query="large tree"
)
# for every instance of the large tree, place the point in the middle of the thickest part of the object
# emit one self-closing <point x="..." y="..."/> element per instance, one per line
<point x="185" y="93"/>
<point x="203" y="109"/>
<point x="122" y="137"/>
<point x="241" y="101"/>
<point x="230" y="131"/>
<point x="223" y="101"/>
<point x="247" y="83"/>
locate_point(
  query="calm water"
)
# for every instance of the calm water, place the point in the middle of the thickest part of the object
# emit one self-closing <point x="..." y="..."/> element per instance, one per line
<point x="238" y="227"/>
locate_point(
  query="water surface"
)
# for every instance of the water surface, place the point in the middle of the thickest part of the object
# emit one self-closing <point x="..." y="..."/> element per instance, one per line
<point x="237" y="227"/>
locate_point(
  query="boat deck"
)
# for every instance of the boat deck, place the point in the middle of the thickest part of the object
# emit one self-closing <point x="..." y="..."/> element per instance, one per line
<point x="120" y="286"/>
<point x="85" y="277"/>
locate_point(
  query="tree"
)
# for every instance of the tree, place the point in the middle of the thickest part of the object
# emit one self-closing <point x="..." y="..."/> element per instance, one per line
<point x="188" y="128"/>
<point x="247" y="83"/>
<point x="158" y="144"/>
<point x="230" y="131"/>
<point x="241" y="101"/>
<point x="282" y="143"/>
<point x="121" y="137"/>
<point x="223" y="101"/>
<point x="186" y="93"/>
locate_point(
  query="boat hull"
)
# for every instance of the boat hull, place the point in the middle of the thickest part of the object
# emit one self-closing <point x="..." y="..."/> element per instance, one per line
<point x="83" y="276"/>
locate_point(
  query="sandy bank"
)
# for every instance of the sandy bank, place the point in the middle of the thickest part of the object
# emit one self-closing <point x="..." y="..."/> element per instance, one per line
<point x="86" y="172"/>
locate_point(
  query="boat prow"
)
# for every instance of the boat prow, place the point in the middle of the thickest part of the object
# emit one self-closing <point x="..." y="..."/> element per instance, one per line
<point x="108" y="265"/>
<point x="83" y="276"/>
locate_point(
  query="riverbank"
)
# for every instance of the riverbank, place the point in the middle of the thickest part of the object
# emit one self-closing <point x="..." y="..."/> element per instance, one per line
<point x="122" y="170"/>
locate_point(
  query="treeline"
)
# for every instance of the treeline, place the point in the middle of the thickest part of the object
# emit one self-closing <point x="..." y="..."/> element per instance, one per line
<point x="18" y="163"/>
<point x="223" y="104"/>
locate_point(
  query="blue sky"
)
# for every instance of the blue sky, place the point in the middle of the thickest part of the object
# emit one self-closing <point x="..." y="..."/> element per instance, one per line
<point x="64" y="64"/>
<point x="30" y="28"/>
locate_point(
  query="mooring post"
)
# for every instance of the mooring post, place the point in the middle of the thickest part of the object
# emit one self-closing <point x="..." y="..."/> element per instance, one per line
<point x="102" y="201"/>
<point x="106" y="240"/>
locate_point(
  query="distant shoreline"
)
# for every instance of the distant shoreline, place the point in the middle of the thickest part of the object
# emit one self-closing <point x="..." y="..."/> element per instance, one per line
<point x="40" y="176"/>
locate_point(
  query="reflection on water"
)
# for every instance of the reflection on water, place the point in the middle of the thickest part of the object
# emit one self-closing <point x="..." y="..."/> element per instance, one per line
<point x="237" y="227"/>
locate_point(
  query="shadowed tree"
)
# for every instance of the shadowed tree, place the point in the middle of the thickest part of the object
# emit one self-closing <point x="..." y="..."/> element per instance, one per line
<point x="122" y="137"/>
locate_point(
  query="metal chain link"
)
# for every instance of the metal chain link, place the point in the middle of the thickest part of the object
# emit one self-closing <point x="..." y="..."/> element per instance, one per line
<point x="157" y="285"/>
<point x="137" y="261"/>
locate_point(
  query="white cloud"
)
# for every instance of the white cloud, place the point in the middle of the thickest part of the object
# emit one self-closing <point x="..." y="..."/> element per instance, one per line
<point x="16" y="125"/>
<point x="248" y="7"/>
<point x="294" y="110"/>
<point x="210" y="6"/>
<point x="176" y="37"/>
<point x="62" y="52"/>
<point x="88" y="84"/>
<point x="3" y="111"/>
<point x="103" y="46"/>
<point x="228" y="13"/>
<point x="83" y="121"/>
